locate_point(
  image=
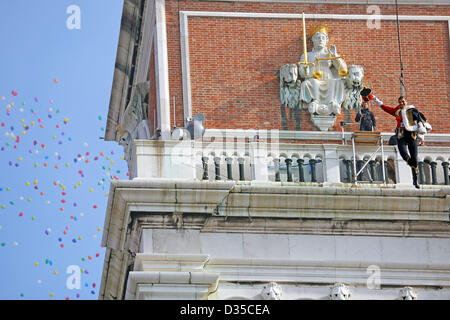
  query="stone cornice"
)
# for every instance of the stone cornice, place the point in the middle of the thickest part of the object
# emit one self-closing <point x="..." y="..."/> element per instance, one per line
<point x="264" y="200"/>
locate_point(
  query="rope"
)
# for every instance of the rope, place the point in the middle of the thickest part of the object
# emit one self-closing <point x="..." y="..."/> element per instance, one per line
<point x="402" y="83"/>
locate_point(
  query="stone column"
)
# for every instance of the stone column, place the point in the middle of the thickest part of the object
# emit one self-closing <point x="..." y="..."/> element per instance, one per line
<point x="445" y="167"/>
<point x="241" y="169"/>
<point x="312" y="162"/>
<point x="301" y="175"/>
<point x="276" y="164"/>
<point x="205" y="168"/>
<point x="433" y="172"/>
<point x="428" y="170"/>
<point x="229" y="161"/>
<point x="386" y="177"/>
<point x="359" y="165"/>
<point x="349" y="170"/>
<point x="288" y="169"/>
<point x="373" y="173"/>
<point x="421" y="173"/>
<point x="217" y="167"/>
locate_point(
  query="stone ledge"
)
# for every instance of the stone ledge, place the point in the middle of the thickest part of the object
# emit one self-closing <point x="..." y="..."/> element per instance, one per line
<point x="277" y="200"/>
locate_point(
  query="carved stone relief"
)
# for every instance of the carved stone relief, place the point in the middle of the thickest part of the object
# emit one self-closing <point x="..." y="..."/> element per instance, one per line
<point x="407" y="293"/>
<point x="340" y="292"/>
<point x="323" y="84"/>
<point x="271" y="291"/>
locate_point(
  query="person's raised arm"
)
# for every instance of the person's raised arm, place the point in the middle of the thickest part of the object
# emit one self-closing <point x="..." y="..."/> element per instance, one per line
<point x="385" y="108"/>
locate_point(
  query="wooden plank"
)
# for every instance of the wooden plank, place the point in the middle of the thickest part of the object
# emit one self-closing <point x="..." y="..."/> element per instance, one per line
<point x="366" y="137"/>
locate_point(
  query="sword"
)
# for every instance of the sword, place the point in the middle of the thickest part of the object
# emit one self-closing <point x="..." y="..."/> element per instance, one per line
<point x="316" y="74"/>
<point x="305" y="52"/>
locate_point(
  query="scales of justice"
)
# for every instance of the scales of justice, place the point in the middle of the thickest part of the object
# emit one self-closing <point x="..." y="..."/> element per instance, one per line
<point x="324" y="83"/>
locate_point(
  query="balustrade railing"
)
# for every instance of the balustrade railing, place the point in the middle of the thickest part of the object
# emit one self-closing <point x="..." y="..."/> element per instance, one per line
<point x="281" y="162"/>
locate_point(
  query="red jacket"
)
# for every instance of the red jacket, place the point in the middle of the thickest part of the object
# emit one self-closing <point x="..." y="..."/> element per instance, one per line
<point x="396" y="112"/>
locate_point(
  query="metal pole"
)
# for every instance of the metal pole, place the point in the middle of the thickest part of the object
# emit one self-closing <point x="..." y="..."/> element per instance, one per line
<point x="382" y="160"/>
<point x="354" y="161"/>
<point x="367" y="162"/>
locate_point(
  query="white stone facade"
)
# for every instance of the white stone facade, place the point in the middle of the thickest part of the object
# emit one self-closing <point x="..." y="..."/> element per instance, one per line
<point x="169" y="239"/>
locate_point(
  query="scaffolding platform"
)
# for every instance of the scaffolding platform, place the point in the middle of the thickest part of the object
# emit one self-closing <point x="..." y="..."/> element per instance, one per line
<point x="367" y="138"/>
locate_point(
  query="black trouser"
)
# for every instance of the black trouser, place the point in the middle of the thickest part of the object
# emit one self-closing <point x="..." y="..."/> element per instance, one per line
<point x="408" y="143"/>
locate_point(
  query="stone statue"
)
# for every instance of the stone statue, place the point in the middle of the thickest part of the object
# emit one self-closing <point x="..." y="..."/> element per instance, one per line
<point x="340" y="292"/>
<point x="322" y="83"/>
<point x="407" y="293"/>
<point x="271" y="291"/>
<point x="290" y="93"/>
<point x="322" y="90"/>
<point x="353" y="87"/>
<point x="133" y="122"/>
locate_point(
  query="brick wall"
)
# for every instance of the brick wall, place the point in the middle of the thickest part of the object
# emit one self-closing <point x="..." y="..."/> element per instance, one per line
<point x="233" y="61"/>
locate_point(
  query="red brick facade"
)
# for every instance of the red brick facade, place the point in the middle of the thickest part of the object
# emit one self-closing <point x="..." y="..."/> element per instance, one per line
<point x="234" y="60"/>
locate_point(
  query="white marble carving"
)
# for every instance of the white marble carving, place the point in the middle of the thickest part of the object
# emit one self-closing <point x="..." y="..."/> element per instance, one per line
<point x="271" y="291"/>
<point x="133" y="123"/>
<point x="407" y="293"/>
<point x="323" y="90"/>
<point x="289" y="86"/>
<point x="340" y="292"/>
<point x="353" y="87"/>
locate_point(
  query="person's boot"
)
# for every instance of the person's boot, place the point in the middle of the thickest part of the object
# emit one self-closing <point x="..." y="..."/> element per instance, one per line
<point x="414" y="174"/>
